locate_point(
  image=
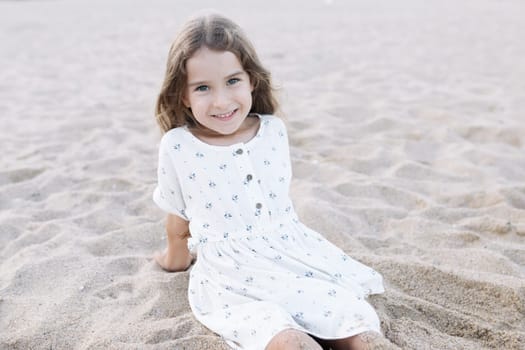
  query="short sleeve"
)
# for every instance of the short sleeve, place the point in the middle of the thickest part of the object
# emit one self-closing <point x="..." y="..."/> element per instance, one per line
<point x="168" y="195"/>
<point x="283" y="136"/>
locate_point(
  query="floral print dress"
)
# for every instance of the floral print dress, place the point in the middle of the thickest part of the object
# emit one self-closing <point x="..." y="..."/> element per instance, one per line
<point x="259" y="270"/>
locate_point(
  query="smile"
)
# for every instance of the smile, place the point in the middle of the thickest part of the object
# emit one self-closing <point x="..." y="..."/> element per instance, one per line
<point x="226" y="116"/>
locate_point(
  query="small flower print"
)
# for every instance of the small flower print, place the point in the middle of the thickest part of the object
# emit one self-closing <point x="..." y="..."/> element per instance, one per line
<point x="235" y="334"/>
<point x="332" y="292"/>
<point x="228" y="215"/>
<point x="212" y="184"/>
<point x="209" y="205"/>
<point x="281" y="179"/>
<point x="229" y="288"/>
<point x="226" y="234"/>
<point x="192" y="176"/>
<point x="163" y="171"/>
<point x="274" y="149"/>
<point x="272" y="195"/>
<point x="203" y="240"/>
<point x="253" y="332"/>
<point x="249" y="279"/>
<point x="222" y="166"/>
<point x="258" y="212"/>
<point x="308" y="274"/>
<point x="284" y="237"/>
<point x="278" y="257"/>
<point x="177" y="147"/>
<point x="227" y="314"/>
<point x="281" y="134"/>
<point x="199" y="155"/>
<point x="235" y="198"/>
<point x="327" y="313"/>
<point x="299" y="315"/>
<point x="266" y="162"/>
<point x="300" y="291"/>
<point x="205" y="225"/>
<point x="225" y="306"/>
<point x="249" y="228"/>
<point x="344" y="257"/>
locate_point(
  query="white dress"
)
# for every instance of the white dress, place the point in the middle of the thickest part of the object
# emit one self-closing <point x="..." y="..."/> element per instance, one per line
<point x="258" y="269"/>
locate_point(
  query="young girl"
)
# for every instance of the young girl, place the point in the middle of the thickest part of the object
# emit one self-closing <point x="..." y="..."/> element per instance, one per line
<point x="262" y="280"/>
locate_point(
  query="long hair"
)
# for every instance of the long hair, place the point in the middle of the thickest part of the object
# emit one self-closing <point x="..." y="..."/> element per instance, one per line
<point x="217" y="33"/>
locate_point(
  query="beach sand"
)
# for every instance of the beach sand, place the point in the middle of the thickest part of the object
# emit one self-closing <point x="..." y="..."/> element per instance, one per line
<point x="407" y="130"/>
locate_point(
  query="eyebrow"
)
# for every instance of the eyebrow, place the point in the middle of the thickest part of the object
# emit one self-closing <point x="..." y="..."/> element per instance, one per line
<point x="197" y="83"/>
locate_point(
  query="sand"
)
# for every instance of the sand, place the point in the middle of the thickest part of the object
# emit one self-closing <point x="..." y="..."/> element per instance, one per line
<point x="407" y="130"/>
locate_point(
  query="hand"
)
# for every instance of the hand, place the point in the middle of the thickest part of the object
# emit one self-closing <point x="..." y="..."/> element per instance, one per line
<point x="171" y="263"/>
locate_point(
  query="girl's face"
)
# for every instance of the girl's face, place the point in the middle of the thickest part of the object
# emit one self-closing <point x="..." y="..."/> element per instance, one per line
<point x="218" y="90"/>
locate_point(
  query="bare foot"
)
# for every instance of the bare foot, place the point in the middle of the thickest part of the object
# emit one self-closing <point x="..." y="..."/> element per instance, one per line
<point x="170" y="263"/>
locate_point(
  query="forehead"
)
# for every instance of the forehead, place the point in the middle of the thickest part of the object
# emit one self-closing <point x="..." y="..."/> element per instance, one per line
<point x="206" y="64"/>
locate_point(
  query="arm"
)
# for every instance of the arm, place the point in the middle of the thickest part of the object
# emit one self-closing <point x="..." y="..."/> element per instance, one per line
<point x="176" y="257"/>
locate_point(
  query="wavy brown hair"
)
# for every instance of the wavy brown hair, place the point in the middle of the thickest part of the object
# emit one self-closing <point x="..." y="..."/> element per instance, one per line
<point x="216" y="33"/>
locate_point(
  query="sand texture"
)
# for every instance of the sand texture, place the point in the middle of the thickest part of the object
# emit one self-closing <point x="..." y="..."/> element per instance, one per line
<point x="407" y="130"/>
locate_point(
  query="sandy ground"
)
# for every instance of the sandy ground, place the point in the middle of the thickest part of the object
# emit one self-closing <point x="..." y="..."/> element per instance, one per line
<point x="407" y="125"/>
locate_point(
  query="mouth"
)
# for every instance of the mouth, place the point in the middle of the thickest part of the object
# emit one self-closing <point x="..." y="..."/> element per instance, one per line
<point x="225" y="116"/>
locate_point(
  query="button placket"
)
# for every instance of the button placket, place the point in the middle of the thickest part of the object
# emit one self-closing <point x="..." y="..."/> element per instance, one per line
<point x="252" y="186"/>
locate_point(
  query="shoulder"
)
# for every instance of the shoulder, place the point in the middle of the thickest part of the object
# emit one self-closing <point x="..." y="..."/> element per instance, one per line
<point x="273" y="122"/>
<point x="173" y="138"/>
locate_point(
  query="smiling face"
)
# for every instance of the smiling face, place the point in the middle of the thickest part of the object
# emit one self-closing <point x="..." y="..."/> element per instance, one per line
<point x="218" y="90"/>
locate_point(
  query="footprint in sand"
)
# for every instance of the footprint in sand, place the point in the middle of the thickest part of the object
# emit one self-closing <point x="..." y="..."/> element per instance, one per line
<point x="116" y="290"/>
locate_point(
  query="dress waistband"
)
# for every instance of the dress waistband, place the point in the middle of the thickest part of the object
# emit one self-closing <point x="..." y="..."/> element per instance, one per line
<point x="250" y="231"/>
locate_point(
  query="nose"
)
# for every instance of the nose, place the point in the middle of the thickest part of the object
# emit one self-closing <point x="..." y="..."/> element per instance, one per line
<point x="221" y="99"/>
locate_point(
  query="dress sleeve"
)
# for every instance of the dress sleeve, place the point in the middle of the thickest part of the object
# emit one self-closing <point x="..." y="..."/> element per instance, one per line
<point x="168" y="194"/>
<point x="283" y="135"/>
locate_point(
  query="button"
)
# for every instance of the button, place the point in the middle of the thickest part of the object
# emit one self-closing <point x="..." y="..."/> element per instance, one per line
<point x="249" y="177"/>
<point x="258" y="205"/>
<point x="239" y="151"/>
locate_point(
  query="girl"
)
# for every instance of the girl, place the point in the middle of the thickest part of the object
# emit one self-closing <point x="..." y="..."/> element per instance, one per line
<point x="262" y="280"/>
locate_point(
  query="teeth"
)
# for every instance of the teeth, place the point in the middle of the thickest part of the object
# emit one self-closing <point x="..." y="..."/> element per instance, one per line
<point x="224" y="115"/>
